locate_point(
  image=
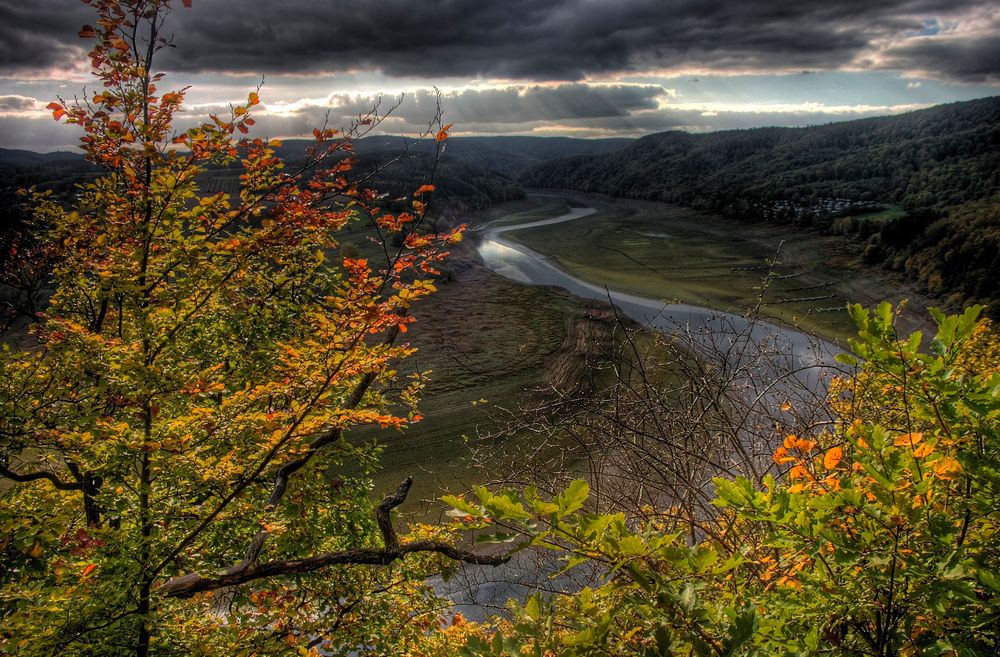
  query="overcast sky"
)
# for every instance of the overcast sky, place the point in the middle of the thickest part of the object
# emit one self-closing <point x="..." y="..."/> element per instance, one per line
<point x="586" y="68"/>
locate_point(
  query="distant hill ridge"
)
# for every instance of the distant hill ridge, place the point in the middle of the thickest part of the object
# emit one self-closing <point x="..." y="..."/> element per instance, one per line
<point x="475" y="172"/>
<point x="944" y="155"/>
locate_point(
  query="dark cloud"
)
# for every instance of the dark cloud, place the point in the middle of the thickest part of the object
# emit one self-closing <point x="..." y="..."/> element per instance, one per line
<point x="497" y="110"/>
<point x="40" y="35"/>
<point x="530" y="40"/>
<point x="518" y="104"/>
<point x="39" y="133"/>
<point x="971" y="60"/>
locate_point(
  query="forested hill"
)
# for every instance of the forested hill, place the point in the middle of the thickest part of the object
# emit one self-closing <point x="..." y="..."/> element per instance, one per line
<point x="919" y="192"/>
<point x="944" y="155"/>
<point x="505" y="155"/>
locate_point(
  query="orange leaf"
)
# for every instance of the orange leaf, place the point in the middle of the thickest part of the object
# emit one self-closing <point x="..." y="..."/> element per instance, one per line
<point x="908" y="439"/>
<point x="254" y="98"/>
<point x="89" y="568"/>
<point x="947" y="468"/>
<point x="804" y="445"/>
<point x="923" y="450"/>
<point x="832" y="457"/>
<point x="443" y="132"/>
<point x="798" y="472"/>
<point x="424" y="189"/>
<point x="88" y="32"/>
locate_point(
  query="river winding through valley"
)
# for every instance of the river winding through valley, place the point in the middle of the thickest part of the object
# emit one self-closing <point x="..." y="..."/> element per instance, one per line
<point x="777" y="363"/>
<point x="807" y="358"/>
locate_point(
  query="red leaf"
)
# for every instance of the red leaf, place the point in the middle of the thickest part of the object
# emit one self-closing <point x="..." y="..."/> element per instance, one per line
<point x="58" y="111"/>
<point x="88" y="32"/>
<point x="89" y="569"/>
<point x="186" y="3"/>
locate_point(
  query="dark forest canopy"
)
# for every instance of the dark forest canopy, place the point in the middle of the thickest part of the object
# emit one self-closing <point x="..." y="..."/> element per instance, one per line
<point x="944" y="155"/>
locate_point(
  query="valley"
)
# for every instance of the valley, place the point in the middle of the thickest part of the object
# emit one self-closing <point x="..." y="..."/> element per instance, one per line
<point x="490" y="341"/>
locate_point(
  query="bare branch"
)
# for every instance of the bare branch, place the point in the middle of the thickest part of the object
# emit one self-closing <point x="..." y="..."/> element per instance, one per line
<point x="186" y="586"/>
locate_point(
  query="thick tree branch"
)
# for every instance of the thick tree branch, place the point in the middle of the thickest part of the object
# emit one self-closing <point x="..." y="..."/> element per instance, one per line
<point x="285" y="472"/>
<point x="384" y="519"/>
<point x="35" y="476"/>
<point x="186" y="586"/>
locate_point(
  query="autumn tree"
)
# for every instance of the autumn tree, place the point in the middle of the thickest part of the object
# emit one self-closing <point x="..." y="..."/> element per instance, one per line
<point x="176" y="477"/>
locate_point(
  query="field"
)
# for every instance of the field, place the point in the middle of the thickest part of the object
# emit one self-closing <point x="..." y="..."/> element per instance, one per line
<point x="676" y="254"/>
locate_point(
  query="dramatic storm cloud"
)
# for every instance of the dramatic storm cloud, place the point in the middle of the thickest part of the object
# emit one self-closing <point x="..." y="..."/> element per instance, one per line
<point x="558" y="66"/>
<point x="529" y="39"/>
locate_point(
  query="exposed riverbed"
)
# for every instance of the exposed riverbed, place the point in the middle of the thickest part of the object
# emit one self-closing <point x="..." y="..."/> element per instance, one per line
<point x="807" y="358"/>
<point x="779" y="362"/>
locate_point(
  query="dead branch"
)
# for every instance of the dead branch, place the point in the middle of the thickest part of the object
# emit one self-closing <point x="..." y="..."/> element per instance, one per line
<point x="185" y="586"/>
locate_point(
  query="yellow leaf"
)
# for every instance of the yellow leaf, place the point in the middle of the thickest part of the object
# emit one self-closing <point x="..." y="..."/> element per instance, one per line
<point x="923" y="450"/>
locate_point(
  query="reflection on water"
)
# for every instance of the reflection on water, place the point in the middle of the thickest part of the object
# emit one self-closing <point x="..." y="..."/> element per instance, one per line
<point x="505" y="260"/>
<point x="808" y="358"/>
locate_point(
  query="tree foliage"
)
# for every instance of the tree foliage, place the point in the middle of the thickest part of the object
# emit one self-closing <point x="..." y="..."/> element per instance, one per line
<point x="879" y="537"/>
<point x="175" y="470"/>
